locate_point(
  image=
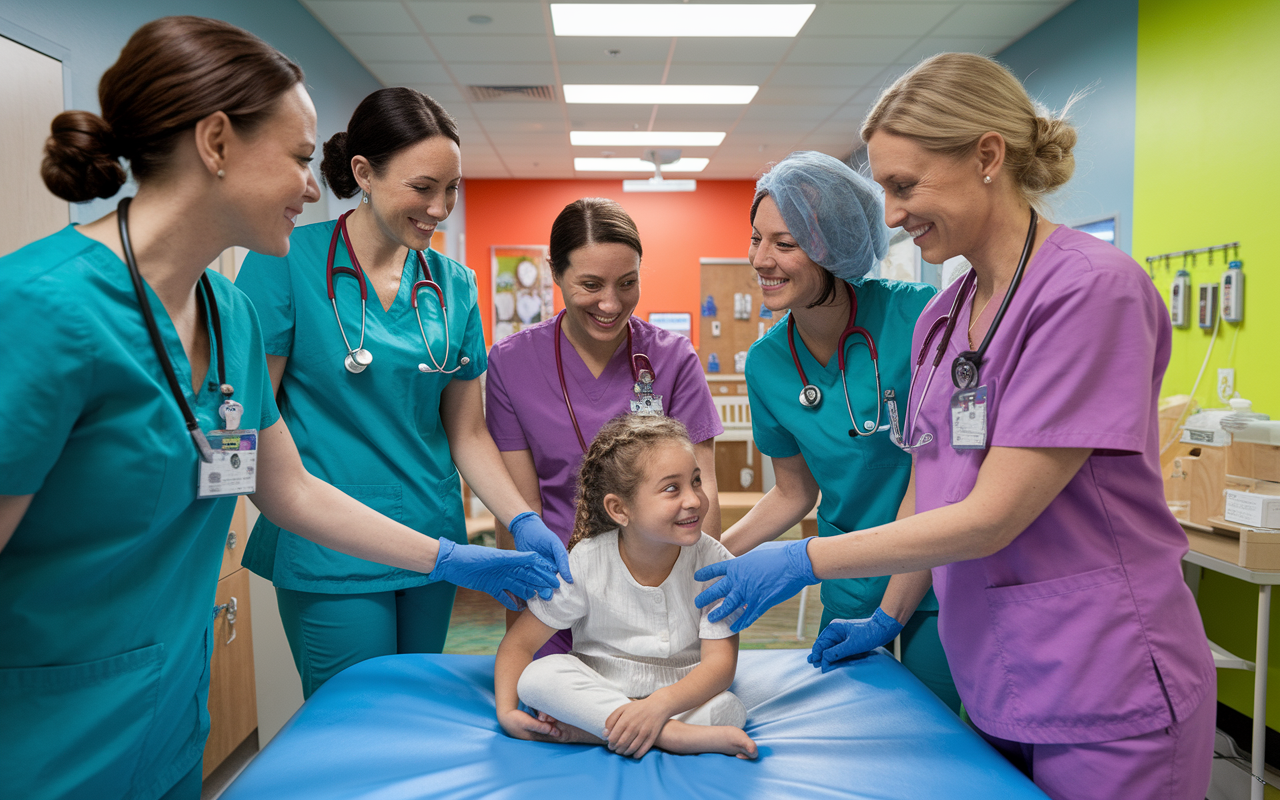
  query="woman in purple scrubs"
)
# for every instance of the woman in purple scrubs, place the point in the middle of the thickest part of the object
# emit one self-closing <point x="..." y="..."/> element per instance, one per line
<point x="552" y="386"/>
<point x="1075" y="644"/>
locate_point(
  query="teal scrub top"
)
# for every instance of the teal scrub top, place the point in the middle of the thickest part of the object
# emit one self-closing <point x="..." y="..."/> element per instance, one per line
<point x="107" y="586"/>
<point x="862" y="480"/>
<point x="376" y="435"/>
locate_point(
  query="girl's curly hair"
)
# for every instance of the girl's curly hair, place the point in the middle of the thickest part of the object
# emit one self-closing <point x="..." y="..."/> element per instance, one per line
<point x="614" y="464"/>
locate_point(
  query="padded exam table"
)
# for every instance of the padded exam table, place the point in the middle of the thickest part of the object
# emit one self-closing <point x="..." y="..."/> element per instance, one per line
<point x="423" y="726"/>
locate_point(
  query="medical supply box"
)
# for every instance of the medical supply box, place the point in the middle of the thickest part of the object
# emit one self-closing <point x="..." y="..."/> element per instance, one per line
<point x="1252" y="509"/>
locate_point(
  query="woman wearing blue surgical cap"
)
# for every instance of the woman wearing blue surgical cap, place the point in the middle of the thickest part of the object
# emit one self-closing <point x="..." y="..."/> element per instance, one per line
<point x="822" y="383"/>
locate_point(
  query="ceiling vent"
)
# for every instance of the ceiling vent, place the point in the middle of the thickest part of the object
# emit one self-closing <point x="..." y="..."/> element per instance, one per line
<point x="523" y="94"/>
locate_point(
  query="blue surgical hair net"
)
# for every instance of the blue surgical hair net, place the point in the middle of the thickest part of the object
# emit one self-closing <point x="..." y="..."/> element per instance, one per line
<point x="835" y="214"/>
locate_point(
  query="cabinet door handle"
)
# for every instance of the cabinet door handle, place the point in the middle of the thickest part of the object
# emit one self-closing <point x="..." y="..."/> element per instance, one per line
<point x="230" y="608"/>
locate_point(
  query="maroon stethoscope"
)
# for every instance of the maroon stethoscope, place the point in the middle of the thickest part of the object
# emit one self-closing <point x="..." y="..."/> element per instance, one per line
<point x="358" y="359"/>
<point x="811" y="396"/>
<point x="641" y="372"/>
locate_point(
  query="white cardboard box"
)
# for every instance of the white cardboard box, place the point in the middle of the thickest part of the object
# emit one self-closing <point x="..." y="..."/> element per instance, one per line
<point x="1254" y="510"/>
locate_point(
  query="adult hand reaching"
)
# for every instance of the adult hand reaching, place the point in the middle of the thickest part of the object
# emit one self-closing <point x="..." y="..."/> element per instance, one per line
<point x="756" y="581"/>
<point x="533" y="536"/>
<point x="495" y="572"/>
<point x="849" y="637"/>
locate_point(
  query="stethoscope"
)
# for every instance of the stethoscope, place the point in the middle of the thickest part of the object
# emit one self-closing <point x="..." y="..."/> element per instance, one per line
<point x="811" y="396"/>
<point x="358" y="359"/>
<point x="641" y="372"/>
<point x="964" y="369"/>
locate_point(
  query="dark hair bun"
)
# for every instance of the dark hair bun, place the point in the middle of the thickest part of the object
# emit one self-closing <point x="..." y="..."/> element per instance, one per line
<point x="335" y="167"/>
<point x="79" y="159"/>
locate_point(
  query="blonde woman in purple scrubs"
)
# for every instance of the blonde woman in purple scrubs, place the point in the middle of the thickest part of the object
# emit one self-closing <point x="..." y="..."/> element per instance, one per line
<point x="1040" y="517"/>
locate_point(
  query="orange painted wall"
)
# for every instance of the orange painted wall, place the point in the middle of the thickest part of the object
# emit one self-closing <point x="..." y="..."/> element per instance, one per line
<point x="676" y="230"/>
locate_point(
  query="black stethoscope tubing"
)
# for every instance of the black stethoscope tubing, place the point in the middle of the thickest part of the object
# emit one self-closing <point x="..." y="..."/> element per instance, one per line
<point x="139" y="288"/>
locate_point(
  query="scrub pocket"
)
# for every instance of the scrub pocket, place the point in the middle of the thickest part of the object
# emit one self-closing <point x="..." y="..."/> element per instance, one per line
<point x="450" y="524"/>
<point x="78" y="730"/>
<point x="305" y="566"/>
<point x="964" y="465"/>
<point x="1074" y="656"/>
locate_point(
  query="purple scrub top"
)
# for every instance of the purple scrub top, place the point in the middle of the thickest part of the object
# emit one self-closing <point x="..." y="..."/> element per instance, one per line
<point x="525" y="407"/>
<point x="1082" y="629"/>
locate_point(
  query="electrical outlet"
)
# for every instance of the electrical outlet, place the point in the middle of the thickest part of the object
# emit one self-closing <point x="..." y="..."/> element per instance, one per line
<point x="1226" y="384"/>
<point x="715" y="327"/>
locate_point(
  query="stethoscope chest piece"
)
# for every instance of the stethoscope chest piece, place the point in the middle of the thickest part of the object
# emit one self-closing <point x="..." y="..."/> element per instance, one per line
<point x="964" y="370"/>
<point x="810" y="396"/>
<point x="358" y="360"/>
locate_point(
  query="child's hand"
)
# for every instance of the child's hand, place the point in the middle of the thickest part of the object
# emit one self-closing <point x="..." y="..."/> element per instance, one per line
<point x="633" y="728"/>
<point x="520" y="725"/>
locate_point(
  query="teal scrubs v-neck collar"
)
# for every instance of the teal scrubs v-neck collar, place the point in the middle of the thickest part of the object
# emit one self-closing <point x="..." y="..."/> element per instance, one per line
<point x="862" y="479"/>
<point x="107" y="586"/>
<point x="376" y="435"/>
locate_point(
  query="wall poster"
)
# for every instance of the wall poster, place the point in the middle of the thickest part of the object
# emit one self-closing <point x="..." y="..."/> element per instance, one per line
<point x="521" y="287"/>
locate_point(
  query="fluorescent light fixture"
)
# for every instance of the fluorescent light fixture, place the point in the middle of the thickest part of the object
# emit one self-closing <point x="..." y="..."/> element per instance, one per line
<point x="659" y="185"/>
<point x="659" y="94"/>
<point x="670" y="19"/>
<point x="646" y="138"/>
<point x="637" y="165"/>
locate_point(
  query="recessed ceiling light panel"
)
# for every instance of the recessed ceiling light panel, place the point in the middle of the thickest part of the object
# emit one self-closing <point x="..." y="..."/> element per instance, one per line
<point x="658" y="94"/>
<point x="646" y="138"/>
<point x="670" y="19"/>
<point x="637" y="165"/>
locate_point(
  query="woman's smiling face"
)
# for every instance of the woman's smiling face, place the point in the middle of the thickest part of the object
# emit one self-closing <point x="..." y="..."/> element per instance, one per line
<point x="788" y="277"/>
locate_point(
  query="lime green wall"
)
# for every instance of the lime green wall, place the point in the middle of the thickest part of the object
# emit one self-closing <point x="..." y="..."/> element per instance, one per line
<point x="1206" y="171"/>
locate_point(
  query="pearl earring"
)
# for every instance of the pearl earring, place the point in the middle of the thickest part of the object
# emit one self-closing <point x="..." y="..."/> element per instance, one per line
<point x="365" y="200"/>
<point x="986" y="179"/>
<point x="222" y="173"/>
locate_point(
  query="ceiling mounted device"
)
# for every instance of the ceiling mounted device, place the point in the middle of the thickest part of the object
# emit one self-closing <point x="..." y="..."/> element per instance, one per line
<point x="678" y="20"/>
<point x="659" y="159"/>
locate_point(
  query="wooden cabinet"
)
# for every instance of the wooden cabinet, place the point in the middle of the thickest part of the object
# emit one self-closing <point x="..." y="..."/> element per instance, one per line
<point x="233" y="700"/>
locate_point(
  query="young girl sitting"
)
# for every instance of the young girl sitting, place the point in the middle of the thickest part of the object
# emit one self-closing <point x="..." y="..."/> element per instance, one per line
<point x="647" y="668"/>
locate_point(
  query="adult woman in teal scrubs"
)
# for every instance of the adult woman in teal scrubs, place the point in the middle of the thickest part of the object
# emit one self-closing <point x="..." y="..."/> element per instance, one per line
<point x="108" y="560"/>
<point x="816" y="232"/>
<point x="382" y="399"/>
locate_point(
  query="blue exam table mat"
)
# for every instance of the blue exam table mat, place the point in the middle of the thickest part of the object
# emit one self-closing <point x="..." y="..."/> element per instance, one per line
<point x="423" y="726"/>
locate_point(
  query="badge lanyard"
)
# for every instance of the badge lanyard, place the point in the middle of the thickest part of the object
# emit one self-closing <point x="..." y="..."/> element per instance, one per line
<point x="228" y="458"/>
<point x="811" y="396"/>
<point x="646" y="403"/>
<point x="969" y="403"/>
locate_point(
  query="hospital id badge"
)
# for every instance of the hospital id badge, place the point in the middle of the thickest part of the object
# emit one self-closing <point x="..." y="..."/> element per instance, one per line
<point x="234" y="467"/>
<point x="969" y="419"/>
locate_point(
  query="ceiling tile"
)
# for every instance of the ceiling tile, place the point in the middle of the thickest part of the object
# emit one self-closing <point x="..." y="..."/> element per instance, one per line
<point x="504" y="74"/>
<point x="365" y="16"/>
<point x="529" y="138"/>
<point x="517" y="111"/>
<point x="811" y="75"/>
<point x="389" y="47"/>
<point x="492" y="49"/>
<point x="508" y="18"/>
<point x="802" y="95"/>
<point x="752" y="50"/>
<point x="778" y="124"/>
<point x="610" y="72"/>
<point x="997" y="19"/>
<point x="447" y="95"/>
<point x="932" y="45"/>
<point x="796" y="112"/>
<point x="850" y="49"/>
<point x="700" y="115"/>
<point x="401" y="74"/>
<point x="596" y="49"/>
<point x="877" y="19"/>
<point x="609" y="118"/>
<point x="732" y="74"/>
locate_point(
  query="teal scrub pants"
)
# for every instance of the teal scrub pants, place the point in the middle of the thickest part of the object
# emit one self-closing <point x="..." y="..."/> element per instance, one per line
<point x="922" y="654"/>
<point x="330" y="632"/>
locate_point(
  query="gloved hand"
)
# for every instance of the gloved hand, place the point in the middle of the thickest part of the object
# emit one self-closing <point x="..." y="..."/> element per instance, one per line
<point x="756" y="581"/>
<point x="849" y="637"/>
<point x="495" y="572"/>
<point x="533" y="536"/>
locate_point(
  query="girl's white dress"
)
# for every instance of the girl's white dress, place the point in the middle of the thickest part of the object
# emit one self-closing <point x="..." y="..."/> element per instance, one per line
<point x="628" y="640"/>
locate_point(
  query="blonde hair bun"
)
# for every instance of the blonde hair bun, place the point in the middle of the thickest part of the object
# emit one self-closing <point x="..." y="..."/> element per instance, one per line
<point x="947" y="102"/>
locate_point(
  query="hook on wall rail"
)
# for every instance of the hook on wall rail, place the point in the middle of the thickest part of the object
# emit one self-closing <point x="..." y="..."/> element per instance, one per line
<point x="1233" y="246"/>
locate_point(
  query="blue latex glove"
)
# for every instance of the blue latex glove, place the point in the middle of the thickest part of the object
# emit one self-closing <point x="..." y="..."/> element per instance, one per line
<point x="756" y="581"/>
<point x="533" y="536"/>
<point x="495" y="572"/>
<point x="850" y="637"/>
